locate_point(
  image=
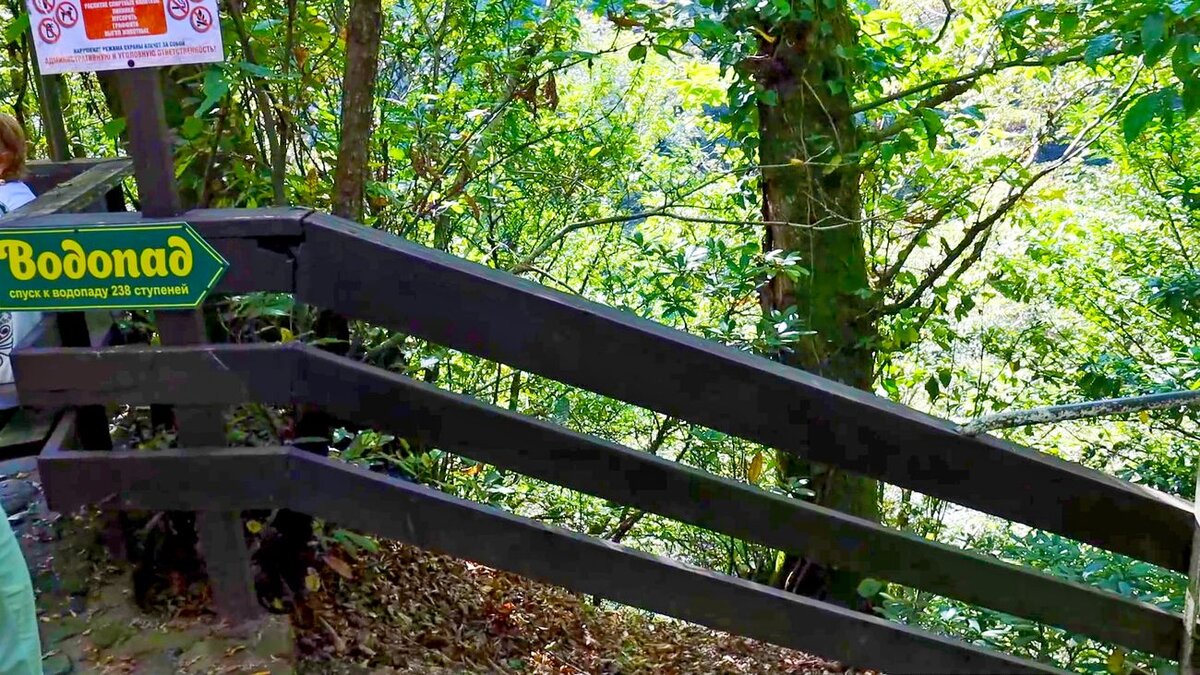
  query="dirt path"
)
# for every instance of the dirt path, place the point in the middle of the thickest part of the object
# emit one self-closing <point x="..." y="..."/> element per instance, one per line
<point x="90" y="623"/>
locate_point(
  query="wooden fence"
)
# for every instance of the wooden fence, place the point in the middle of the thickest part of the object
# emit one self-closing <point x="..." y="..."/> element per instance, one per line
<point x="387" y="281"/>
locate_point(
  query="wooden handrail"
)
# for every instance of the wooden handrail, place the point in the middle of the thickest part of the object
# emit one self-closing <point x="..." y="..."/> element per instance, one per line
<point x="233" y="479"/>
<point x="404" y="286"/>
<point x="296" y="374"/>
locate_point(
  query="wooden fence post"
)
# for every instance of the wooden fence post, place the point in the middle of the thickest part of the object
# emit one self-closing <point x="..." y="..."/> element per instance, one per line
<point x="220" y="534"/>
<point x="1191" y="601"/>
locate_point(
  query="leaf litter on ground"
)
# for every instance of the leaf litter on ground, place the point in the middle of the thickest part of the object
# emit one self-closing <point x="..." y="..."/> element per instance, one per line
<point x="403" y="610"/>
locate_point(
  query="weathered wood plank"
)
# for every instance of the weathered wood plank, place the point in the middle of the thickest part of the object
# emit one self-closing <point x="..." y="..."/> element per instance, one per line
<point x="266" y="223"/>
<point x="460" y="424"/>
<point x="239" y="479"/>
<point x="199" y="375"/>
<point x="44" y="175"/>
<point x="75" y="194"/>
<point x="230" y="374"/>
<point x="212" y="224"/>
<point x="192" y="479"/>
<point x="498" y="316"/>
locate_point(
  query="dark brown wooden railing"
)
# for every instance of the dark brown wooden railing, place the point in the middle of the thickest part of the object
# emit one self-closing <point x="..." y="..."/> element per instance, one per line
<point x="370" y="275"/>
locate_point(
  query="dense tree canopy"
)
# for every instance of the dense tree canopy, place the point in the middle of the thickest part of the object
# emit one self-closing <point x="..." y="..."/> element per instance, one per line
<point x="962" y="205"/>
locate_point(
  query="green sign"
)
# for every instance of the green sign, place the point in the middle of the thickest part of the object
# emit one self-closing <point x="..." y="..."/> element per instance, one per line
<point x="152" y="266"/>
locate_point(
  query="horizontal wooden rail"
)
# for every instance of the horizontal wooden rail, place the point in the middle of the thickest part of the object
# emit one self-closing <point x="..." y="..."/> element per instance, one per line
<point x="299" y="374"/>
<point x="78" y="192"/>
<point x="44" y="175"/>
<point x="528" y="326"/>
<point x="269" y="478"/>
<point x="394" y="283"/>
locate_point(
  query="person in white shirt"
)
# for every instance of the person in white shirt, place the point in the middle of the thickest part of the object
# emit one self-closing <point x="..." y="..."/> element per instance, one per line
<point x="14" y="194"/>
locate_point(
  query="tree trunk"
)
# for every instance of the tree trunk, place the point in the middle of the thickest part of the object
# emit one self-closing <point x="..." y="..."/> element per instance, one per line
<point x="363" y="35"/>
<point x="810" y="180"/>
<point x="364" y="31"/>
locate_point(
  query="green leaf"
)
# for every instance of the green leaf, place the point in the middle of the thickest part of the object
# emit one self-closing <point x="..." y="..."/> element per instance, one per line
<point x="114" y="128"/>
<point x="637" y="52"/>
<point x="562" y="408"/>
<point x="933" y="388"/>
<point x="711" y="30"/>
<point x="1139" y="115"/>
<point x="1068" y="22"/>
<point x="1115" y="663"/>
<point x="1191" y="96"/>
<point x="1099" y="47"/>
<point x="16" y="28"/>
<point x="255" y="69"/>
<point x="1015" y="16"/>
<point x="933" y="126"/>
<point x="868" y="587"/>
<point x="362" y="542"/>
<point x="215" y="89"/>
<point x="1154" y="29"/>
<point x="1181" y="58"/>
<point x="191" y="127"/>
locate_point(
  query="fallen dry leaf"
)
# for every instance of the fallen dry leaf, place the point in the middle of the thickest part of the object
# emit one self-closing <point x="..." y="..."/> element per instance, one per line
<point x="338" y="565"/>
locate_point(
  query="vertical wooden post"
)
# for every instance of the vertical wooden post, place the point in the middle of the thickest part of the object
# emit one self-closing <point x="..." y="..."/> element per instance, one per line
<point x="220" y="535"/>
<point x="1191" y="602"/>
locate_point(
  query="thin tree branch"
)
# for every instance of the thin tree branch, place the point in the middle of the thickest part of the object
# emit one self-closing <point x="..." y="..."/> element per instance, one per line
<point x="1056" y="59"/>
<point x="1078" y="411"/>
<point x="662" y="212"/>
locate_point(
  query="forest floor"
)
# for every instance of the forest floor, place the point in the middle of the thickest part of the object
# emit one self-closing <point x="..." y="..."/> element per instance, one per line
<point x="394" y="609"/>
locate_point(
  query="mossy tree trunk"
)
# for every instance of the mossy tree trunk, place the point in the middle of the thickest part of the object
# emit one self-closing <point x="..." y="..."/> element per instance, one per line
<point x="810" y="181"/>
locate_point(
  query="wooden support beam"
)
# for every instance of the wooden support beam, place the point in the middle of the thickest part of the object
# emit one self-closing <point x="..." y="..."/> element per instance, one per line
<point x="221" y="536"/>
<point x="253" y="478"/>
<point x="491" y="314"/>
<point x="296" y="374"/>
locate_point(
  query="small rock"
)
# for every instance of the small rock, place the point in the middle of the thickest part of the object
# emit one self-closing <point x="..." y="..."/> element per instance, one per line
<point x="204" y="655"/>
<point x="60" y="629"/>
<point x="58" y="664"/>
<point x="16" y="496"/>
<point x="274" y="639"/>
<point x="110" y="633"/>
<point x="154" y="642"/>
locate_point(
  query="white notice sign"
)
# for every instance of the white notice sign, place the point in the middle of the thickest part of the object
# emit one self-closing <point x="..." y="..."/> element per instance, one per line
<point x="81" y="35"/>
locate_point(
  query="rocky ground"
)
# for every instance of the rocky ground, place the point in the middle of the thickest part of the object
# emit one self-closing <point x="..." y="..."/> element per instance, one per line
<point x="374" y="607"/>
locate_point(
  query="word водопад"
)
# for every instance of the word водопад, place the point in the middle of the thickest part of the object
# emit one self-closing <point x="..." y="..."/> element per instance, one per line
<point x="75" y="263"/>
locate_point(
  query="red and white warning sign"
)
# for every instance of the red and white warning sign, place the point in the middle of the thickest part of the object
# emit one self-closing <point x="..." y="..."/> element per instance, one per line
<point x="81" y="35"/>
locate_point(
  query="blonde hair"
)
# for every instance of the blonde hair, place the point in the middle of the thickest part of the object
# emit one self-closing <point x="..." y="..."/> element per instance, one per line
<point x="12" y="148"/>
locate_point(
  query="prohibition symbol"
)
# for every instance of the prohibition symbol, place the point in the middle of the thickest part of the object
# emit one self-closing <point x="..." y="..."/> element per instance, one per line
<point x="43" y="6"/>
<point x="178" y="9"/>
<point x="68" y="16"/>
<point x="201" y="19"/>
<point x="49" y="31"/>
